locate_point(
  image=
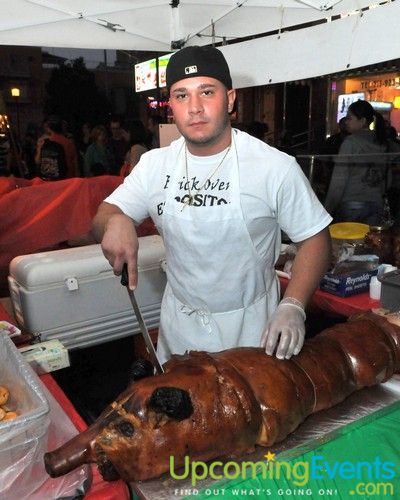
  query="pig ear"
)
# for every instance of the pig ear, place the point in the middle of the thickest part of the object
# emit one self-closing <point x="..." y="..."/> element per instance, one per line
<point x="141" y="368"/>
<point x="174" y="402"/>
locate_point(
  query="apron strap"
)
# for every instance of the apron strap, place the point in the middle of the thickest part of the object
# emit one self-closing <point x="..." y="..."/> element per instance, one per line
<point x="203" y="315"/>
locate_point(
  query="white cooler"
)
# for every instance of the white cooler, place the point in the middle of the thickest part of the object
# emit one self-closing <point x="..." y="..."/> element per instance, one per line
<point x="72" y="295"/>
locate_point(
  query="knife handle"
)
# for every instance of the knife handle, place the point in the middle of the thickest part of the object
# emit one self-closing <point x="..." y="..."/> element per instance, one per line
<point x="124" y="275"/>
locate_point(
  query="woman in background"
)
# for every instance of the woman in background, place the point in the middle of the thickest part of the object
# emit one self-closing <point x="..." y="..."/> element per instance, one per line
<point x="98" y="159"/>
<point x="357" y="185"/>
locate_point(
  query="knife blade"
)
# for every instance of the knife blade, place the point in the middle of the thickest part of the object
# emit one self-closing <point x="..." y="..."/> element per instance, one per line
<point x="143" y="328"/>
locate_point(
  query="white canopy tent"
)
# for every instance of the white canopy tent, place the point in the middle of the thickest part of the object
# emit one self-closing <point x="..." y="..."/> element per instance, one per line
<point x="343" y="34"/>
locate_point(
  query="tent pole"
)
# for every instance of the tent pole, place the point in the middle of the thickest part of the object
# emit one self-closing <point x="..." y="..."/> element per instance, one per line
<point x="105" y="73"/>
<point x="310" y="98"/>
<point x="328" y="107"/>
<point x="284" y="108"/>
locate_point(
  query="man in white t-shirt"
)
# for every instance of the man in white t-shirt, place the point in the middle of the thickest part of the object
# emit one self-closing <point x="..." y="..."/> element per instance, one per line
<point x="220" y="199"/>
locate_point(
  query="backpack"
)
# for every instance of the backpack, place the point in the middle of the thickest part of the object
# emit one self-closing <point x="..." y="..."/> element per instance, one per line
<point x="53" y="165"/>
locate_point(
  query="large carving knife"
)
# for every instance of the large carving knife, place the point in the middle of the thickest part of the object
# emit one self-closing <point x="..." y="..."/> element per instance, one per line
<point x="145" y="333"/>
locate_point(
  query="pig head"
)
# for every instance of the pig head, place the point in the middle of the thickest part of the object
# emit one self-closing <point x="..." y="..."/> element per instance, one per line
<point x="196" y="409"/>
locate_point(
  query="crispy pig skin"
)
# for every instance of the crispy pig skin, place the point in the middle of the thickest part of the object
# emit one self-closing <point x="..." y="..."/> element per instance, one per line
<point x="214" y="405"/>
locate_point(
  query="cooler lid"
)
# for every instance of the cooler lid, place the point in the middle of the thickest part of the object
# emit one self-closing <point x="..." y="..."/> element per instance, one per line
<point x="46" y="268"/>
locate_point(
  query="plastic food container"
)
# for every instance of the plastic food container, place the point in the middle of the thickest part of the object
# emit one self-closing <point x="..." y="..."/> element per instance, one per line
<point x="21" y="439"/>
<point x="346" y="232"/>
<point x="41" y="426"/>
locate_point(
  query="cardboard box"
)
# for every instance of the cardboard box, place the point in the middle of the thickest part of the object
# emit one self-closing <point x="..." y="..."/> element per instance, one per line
<point x="345" y="285"/>
<point x="46" y="357"/>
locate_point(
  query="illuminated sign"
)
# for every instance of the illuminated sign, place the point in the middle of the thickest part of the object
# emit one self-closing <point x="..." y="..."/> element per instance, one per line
<point x="380" y="82"/>
<point x="381" y="106"/>
<point x="162" y="69"/>
<point x="146" y="75"/>
<point x="344" y="101"/>
<point x="396" y="102"/>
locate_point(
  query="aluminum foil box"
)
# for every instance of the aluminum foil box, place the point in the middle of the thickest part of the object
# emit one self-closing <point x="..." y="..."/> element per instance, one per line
<point x="345" y="285"/>
<point x="73" y="295"/>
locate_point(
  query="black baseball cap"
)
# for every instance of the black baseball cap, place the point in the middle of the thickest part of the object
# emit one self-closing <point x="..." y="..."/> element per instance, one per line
<point x="198" y="61"/>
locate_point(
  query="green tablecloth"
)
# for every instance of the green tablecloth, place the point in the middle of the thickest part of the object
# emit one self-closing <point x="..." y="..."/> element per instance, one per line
<point x="364" y="462"/>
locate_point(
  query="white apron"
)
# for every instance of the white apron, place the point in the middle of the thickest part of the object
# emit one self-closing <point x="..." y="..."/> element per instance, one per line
<point x="220" y="291"/>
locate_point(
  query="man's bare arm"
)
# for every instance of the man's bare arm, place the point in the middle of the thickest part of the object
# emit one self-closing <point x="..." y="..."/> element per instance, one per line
<point x="119" y="241"/>
<point x="104" y="212"/>
<point x="310" y="264"/>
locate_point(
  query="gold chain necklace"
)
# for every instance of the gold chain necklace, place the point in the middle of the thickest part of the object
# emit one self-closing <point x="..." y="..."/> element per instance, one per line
<point x="190" y="198"/>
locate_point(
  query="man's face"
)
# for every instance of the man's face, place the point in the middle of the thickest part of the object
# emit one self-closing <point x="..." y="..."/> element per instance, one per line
<point x="115" y="128"/>
<point x="46" y="128"/>
<point x="201" y="111"/>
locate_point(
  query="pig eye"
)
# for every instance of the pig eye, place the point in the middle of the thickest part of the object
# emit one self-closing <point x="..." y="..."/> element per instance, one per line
<point x="125" y="428"/>
<point x="174" y="402"/>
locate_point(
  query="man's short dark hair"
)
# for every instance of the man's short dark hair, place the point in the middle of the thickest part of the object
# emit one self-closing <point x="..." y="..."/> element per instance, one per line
<point x="117" y="119"/>
<point x="54" y="122"/>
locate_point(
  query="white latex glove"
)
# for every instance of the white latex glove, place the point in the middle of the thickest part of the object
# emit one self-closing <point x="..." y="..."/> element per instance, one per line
<point x="285" y="331"/>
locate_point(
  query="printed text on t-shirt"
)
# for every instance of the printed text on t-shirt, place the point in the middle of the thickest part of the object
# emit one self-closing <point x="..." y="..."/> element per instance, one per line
<point x="195" y="187"/>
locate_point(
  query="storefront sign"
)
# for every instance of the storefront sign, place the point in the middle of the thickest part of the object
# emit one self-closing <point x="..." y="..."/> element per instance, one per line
<point x="382" y="82"/>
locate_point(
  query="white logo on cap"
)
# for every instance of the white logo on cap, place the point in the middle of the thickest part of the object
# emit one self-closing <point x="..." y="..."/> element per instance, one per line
<point x="190" y="69"/>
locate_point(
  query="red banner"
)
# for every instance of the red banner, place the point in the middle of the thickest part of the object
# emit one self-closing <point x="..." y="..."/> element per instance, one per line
<point x="37" y="215"/>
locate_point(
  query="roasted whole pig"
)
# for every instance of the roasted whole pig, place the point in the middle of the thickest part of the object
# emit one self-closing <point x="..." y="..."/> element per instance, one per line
<point x="223" y="404"/>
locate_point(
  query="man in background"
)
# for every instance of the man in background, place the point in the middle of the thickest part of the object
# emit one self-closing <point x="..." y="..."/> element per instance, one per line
<point x="5" y="155"/>
<point x="118" y="144"/>
<point x="153" y="126"/>
<point x="333" y="143"/>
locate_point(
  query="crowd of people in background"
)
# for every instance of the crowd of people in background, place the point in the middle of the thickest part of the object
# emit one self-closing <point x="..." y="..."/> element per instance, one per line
<point x="53" y="152"/>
